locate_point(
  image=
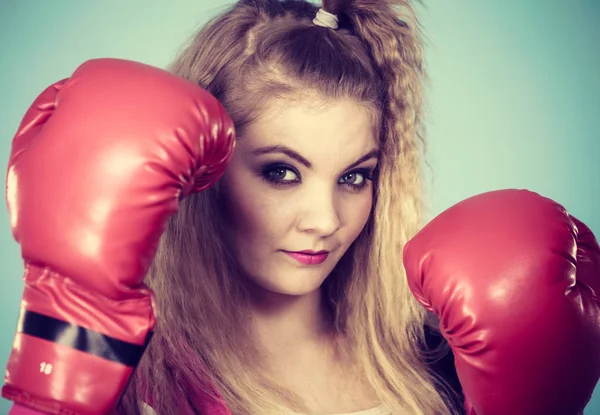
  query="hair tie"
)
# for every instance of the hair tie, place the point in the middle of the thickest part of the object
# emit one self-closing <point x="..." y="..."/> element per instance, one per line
<point x="326" y="19"/>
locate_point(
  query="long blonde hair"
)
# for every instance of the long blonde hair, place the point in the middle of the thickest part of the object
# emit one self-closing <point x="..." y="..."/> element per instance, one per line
<point x="256" y="50"/>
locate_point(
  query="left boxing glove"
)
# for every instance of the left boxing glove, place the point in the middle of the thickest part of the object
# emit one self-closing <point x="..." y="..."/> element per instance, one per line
<point x="97" y="167"/>
<point x="515" y="282"/>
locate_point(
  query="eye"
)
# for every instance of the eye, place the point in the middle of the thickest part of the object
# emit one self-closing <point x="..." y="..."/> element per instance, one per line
<point x="280" y="174"/>
<point x="354" y="178"/>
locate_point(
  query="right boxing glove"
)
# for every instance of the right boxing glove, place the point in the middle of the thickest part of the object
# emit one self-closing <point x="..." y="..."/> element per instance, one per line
<point x="98" y="165"/>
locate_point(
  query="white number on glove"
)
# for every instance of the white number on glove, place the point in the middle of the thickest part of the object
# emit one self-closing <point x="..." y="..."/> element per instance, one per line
<point x="46" y="368"/>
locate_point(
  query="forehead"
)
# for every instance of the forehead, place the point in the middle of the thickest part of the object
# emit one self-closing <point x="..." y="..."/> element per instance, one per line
<point x="314" y="128"/>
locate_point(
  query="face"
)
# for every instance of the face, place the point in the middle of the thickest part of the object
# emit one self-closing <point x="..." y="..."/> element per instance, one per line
<point x="298" y="192"/>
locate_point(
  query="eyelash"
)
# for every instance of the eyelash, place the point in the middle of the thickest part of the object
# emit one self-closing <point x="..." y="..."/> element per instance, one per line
<point x="265" y="172"/>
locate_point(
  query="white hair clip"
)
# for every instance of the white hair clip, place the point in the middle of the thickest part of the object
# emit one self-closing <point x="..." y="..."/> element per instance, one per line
<point x="326" y="19"/>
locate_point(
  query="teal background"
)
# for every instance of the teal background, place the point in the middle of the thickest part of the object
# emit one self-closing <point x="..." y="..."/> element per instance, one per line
<point x="514" y="95"/>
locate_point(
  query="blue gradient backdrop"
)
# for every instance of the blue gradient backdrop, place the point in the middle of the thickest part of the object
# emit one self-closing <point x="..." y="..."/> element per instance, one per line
<point x="514" y="97"/>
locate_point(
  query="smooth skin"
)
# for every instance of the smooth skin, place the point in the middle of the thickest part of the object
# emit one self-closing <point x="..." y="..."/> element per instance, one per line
<point x="301" y="179"/>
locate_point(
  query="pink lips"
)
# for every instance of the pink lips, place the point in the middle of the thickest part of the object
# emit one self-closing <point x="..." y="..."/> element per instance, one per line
<point x="309" y="257"/>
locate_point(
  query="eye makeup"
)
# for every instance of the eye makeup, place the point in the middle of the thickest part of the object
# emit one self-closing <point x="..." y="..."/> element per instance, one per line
<point x="281" y="174"/>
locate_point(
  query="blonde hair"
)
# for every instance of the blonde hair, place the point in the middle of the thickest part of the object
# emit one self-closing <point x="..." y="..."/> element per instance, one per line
<point x="257" y="50"/>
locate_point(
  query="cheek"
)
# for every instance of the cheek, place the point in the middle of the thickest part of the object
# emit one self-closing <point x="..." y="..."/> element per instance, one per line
<point x="355" y="213"/>
<point x="252" y="215"/>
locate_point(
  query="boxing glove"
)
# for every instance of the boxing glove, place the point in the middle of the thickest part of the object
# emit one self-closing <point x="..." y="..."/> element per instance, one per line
<point x="98" y="165"/>
<point x="515" y="282"/>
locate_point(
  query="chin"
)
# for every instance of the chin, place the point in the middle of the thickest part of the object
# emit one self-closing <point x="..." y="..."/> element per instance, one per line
<point x="293" y="284"/>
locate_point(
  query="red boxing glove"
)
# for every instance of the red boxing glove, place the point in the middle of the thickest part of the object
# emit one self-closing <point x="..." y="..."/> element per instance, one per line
<point x="515" y="281"/>
<point x="17" y="409"/>
<point x="98" y="165"/>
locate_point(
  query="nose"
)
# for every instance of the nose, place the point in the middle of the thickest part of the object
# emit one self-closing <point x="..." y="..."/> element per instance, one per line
<point x="320" y="213"/>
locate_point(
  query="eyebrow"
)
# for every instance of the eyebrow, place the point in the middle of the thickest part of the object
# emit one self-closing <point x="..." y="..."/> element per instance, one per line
<point x="373" y="154"/>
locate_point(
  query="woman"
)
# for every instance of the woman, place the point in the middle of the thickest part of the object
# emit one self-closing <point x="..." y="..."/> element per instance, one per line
<point x="282" y="288"/>
<point x="322" y="109"/>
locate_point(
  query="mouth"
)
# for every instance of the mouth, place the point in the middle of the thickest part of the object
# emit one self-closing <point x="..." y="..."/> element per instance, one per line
<point x="309" y="257"/>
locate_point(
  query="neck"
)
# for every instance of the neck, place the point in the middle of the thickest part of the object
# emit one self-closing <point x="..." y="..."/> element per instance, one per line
<point x="283" y="322"/>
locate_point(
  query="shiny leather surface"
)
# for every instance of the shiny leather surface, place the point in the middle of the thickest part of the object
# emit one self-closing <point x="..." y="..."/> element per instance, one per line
<point x="515" y="281"/>
<point x="98" y="165"/>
